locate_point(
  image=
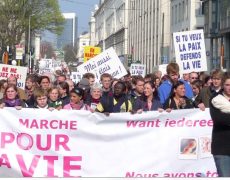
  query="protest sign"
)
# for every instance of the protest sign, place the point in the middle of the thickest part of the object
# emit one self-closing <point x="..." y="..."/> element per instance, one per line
<point x="106" y="62"/>
<point x="69" y="143"/>
<point x="190" y="51"/>
<point x="138" y="69"/>
<point x="19" y="72"/>
<point x="75" y="77"/>
<point x="90" y="52"/>
<point x="19" y="51"/>
<point x="46" y="66"/>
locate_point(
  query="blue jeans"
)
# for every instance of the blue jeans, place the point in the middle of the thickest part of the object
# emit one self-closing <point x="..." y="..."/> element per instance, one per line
<point x="222" y="165"/>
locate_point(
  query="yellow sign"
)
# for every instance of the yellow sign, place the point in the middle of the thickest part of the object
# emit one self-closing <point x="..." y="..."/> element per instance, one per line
<point x="90" y="52"/>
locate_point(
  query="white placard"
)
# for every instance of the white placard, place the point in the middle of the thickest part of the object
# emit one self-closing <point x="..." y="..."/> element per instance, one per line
<point x="17" y="71"/>
<point x="48" y="68"/>
<point x="190" y="51"/>
<point x="75" y="77"/>
<point x="138" y="69"/>
<point x="106" y="62"/>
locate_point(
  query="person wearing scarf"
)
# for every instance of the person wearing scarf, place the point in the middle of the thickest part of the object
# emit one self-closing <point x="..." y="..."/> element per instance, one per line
<point x="76" y="102"/>
<point x="11" y="98"/>
<point x="117" y="102"/>
<point x="95" y="95"/>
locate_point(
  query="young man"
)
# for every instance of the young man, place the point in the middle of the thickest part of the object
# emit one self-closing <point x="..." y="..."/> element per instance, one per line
<point x="106" y="81"/>
<point x="117" y="102"/>
<point x="166" y="87"/>
<point x="90" y="77"/>
<point x="138" y="84"/>
<point x="208" y="92"/>
<point x="41" y="99"/>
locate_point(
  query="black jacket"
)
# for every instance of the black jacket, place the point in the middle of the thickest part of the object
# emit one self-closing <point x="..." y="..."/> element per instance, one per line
<point x="220" y="132"/>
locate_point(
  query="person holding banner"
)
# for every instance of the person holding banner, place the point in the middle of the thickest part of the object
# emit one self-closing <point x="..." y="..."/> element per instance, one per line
<point x="166" y="87"/>
<point x="95" y="95"/>
<point x="150" y="101"/>
<point x="220" y="113"/>
<point x="53" y="98"/>
<point x="76" y="102"/>
<point x="177" y="99"/>
<point x="116" y="102"/>
<point x="11" y="98"/>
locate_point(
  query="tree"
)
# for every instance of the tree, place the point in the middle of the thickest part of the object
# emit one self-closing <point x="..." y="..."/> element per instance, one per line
<point x="15" y="15"/>
<point x="70" y="53"/>
<point x="47" y="50"/>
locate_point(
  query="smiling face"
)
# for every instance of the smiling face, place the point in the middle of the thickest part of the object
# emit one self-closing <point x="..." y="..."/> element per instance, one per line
<point x="180" y="91"/>
<point x="96" y="93"/>
<point x="148" y="90"/>
<point x="74" y="98"/>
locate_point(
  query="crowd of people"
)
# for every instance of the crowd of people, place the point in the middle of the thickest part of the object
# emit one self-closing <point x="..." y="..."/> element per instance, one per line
<point x="133" y="94"/>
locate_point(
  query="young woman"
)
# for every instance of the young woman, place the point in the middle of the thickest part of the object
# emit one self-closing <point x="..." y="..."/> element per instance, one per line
<point x="76" y="102"/>
<point x="150" y="101"/>
<point x="3" y="85"/>
<point x="64" y="93"/>
<point x="30" y="86"/>
<point x="54" y="100"/>
<point x="196" y="89"/>
<point x="11" y="98"/>
<point x="177" y="99"/>
<point x="220" y="113"/>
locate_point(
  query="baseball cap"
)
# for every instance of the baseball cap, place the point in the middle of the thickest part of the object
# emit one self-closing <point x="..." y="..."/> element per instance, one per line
<point x="77" y="91"/>
<point x="84" y="84"/>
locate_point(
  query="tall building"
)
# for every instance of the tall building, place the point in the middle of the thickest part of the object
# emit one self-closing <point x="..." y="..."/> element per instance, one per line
<point x="138" y="30"/>
<point x="83" y="41"/>
<point x="217" y="28"/>
<point x="187" y="15"/>
<point x="69" y="34"/>
<point x="110" y="26"/>
<point x="149" y="32"/>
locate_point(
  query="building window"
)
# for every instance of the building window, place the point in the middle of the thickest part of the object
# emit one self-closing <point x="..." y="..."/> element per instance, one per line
<point x="175" y="14"/>
<point x="180" y="14"/>
<point x="182" y="10"/>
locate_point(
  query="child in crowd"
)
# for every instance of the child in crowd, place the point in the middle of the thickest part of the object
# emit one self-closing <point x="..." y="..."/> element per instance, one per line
<point x="41" y="99"/>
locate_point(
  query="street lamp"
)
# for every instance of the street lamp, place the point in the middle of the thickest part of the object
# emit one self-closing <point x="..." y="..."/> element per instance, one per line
<point x="29" y="52"/>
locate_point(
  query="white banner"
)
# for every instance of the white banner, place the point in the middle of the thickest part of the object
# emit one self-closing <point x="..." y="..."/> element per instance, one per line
<point x="19" y="72"/>
<point x="138" y="69"/>
<point x="106" y="62"/>
<point x="190" y="51"/>
<point x="40" y="143"/>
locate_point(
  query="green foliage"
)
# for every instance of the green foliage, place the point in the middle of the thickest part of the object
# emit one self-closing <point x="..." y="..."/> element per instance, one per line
<point x="15" y="15"/>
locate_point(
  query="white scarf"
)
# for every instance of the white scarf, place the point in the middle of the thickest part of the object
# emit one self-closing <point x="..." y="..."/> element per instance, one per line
<point x="222" y="103"/>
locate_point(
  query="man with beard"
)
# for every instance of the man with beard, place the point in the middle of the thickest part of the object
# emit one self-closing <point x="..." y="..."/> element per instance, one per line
<point x="116" y="102"/>
<point x="165" y="88"/>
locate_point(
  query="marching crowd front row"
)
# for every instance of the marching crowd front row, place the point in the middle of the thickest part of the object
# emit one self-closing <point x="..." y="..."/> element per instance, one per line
<point x="129" y="94"/>
<point x="133" y="94"/>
